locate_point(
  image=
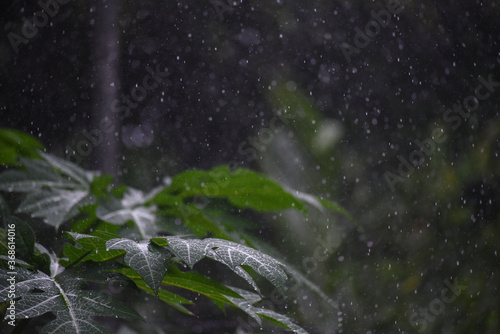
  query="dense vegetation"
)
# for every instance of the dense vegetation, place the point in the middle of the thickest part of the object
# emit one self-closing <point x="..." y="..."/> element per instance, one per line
<point x="117" y="236"/>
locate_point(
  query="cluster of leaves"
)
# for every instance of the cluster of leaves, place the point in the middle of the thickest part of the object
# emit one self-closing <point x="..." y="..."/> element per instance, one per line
<point x="121" y="235"/>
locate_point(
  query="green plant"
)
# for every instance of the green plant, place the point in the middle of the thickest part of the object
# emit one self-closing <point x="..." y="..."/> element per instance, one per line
<point x="123" y="237"/>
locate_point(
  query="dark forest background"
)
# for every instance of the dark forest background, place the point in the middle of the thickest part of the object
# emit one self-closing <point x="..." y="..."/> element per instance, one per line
<point x="267" y="86"/>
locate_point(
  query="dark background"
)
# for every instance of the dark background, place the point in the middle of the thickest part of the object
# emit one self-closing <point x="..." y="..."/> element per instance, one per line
<point x="231" y="70"/>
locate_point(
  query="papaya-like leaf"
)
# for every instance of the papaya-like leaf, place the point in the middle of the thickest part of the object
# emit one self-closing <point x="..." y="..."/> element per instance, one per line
<point x="247" y="305"/>
<point x="63" y="296"/>
<point x="197" y="221"/>
<point x="55" y="206"/>
<point x="146" y="258"/>
<point x="233" y="255"/>
<point x="242" y="188"/>
<point x="76" y="173"/>
<point x="130" y="208"/>
<point x="37" y="174"/>
<point x="168" y="297"/>
<point x="192" y="281"/>
<point x="91" y="248"/>
<point x="56" y="188"/>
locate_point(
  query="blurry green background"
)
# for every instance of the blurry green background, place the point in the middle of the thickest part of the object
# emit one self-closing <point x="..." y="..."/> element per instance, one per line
<point x="265" y="85"/>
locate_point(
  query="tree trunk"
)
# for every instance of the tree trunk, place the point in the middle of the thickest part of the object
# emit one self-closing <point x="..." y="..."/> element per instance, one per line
<point x="106" y="59"/>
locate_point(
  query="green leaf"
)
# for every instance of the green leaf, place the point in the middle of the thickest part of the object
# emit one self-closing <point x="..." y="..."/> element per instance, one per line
<point x="243" y="188"/>
<point x="246" y="304"/>
<point x="197" y="222"/>
<point x="163" y="198"/>
<point x="92" y="248"/>
<point x="38" y="174"/>
<point x="320" y="204"/>
<point x="55" y="206"/>
<point x="168" y="297"/>
<point x="160" y="241"/>
<point x="25" y="239"/>
<point x="191" y="281"/>
<point x="100" y="186"/>
<point x="233" y="255"/>
<point x="4" y="212"/>
<point x="86" y="221"/>
<point x="27" y="250"/>
<point x="64" y="297"/>
<point x="130" y="208"/>
<point x="4" y="247"/>
<point x="336" y="208"/>
<point x="66" y="194"/>
<point x="15" y="144"/>
<point x="147" y="259"/>
<point x="198" y="283"/>
<point x="5" y="217"/>
<point x="8" y="154"/>
<point x="297" y="276"/>
<point x="231" y="222"/>
<point x="78" y="174"/>
<point x="279" y="319"/>
<point x="41" y="260"/>
<point x="54" y="267"/>
<point x="189" y="251"/>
